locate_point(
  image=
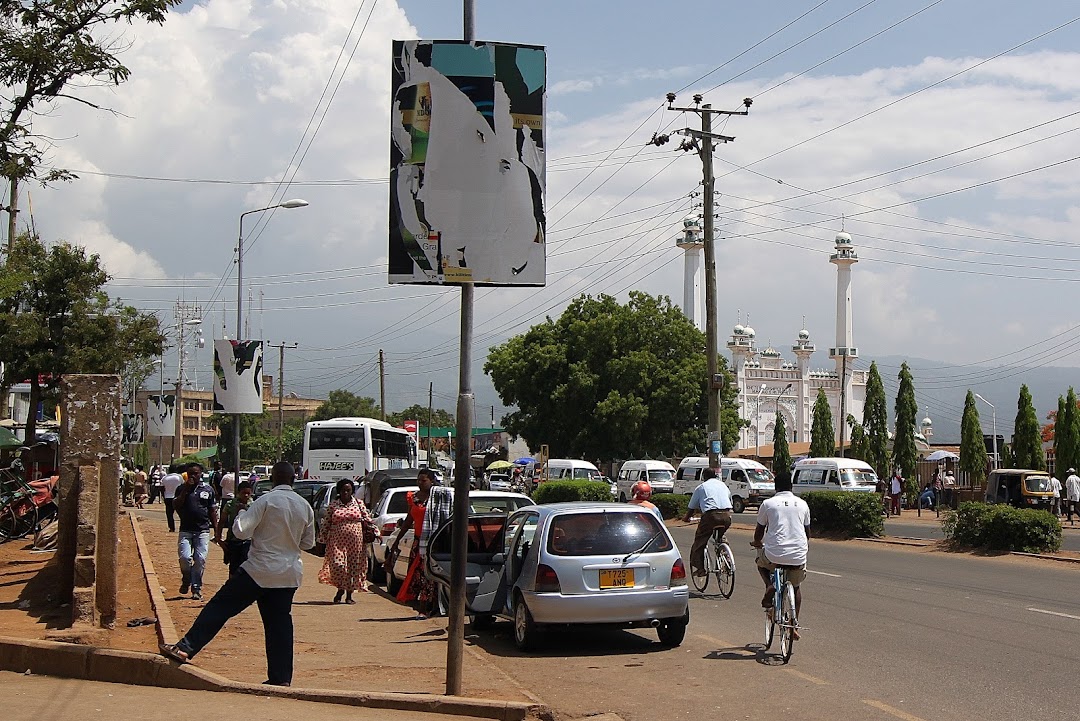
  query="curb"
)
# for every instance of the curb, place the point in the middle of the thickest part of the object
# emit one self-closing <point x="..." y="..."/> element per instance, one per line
<point x="1046" y="556"/>
<point x="91" y="663"/>
<point x="900" y="542"/>
<point x="166" y="629"/>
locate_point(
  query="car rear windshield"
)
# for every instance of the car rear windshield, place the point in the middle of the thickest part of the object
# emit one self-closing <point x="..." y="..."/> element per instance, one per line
<point x="603" y="533"/>
<point x="497" y="505"/>
<point x="399" y="503"/>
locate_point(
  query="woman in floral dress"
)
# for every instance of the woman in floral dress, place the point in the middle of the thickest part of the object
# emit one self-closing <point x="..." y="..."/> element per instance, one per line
<point x="345" y="564"/>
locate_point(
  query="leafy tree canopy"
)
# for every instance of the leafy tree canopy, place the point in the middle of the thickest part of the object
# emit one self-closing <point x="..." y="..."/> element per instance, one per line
<point x="343" y="404"/>
<point x="876" y="424"/>
<point x="419" y="413"/>
<point x="822" y="433"/>
<point x="860" y="443"/>
<point x="972" y="446"/>
<point x="905" y="454"/>
<point x="608" y="381"/>
<point x="1027" y="440"/>
<point x="781" y="452"/>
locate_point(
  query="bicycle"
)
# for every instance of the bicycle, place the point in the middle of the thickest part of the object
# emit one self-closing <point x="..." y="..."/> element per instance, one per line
<point x="24" y="505"/>
<point x="787" y="621"/>
<point x="719" y="562"/>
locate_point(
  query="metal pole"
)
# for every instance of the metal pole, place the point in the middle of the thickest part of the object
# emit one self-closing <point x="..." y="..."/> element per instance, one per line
<point x="382" y="385"/>
<point x="281" y="400"/>
<point x="239" y="330"/>
<point x="161" y="398"/>
<point x="710" y="285"/>
<point x="13" y="213"/>
<point x="455" y="631"/>
<point x="994" y="413"/>
<point x="430" y="393"/>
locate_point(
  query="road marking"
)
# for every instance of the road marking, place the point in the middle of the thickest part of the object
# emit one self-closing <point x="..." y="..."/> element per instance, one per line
<point x="890" y="710"/>
<point x="807" y="677"/>
<point x="720" y="643"/>
<point x="1054" y="613"/>
<point x="822" y="573"/>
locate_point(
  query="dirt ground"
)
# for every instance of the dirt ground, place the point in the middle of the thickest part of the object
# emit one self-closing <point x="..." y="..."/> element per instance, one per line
<point x="29" y="607"/>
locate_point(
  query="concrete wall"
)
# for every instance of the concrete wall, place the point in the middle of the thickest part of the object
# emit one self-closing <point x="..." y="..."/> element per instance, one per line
<point x="91" y="434"/>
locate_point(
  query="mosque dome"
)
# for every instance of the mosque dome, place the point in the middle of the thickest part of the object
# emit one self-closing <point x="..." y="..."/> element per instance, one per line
<point x="739" y="330"/>
<point x="770" y="352"/>
<point x="749" y="332"/>
<point x="927" y="422"/>
<point x="843" y="238"/>
<point x="804" y="334"/>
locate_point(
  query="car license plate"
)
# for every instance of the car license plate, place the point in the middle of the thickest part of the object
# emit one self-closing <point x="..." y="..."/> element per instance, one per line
<point x="616" y="577"/>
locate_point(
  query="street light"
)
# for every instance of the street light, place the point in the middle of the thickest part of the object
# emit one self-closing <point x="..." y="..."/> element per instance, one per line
<point x="994" y="414"/>
<point x="778" y="397"/>
<point x="288" y="204"/>
<point x="757" y="422"/>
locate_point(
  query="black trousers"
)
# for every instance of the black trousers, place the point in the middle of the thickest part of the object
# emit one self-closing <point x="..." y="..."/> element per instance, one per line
<point x="169" y="514"/>
<point x="275" y="607"/>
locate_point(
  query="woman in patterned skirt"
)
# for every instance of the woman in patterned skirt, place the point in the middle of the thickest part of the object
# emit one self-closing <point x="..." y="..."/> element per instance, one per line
<point x="345" y="565"/>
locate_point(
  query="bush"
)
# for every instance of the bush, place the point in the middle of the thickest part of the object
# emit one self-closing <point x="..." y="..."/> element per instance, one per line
<point x="560" y="491"/>
<point x="1002" y="528"/>
<point x="847" y="514"/>
<point x="671" y="505"/>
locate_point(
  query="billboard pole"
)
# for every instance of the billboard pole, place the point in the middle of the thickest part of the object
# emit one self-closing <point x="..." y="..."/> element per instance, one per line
<point x="459" y="542"/>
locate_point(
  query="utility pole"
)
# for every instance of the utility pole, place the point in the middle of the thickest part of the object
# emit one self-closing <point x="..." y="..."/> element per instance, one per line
<point x="281" y="395"/>
<point x="430" y="393"/>
<point x="382" y="385"/>
<point x="702" y="141"/>
<point x="13" y="212"/>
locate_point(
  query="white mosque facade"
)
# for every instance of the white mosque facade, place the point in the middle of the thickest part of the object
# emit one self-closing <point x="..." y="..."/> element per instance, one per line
<point x="769" y="385"/>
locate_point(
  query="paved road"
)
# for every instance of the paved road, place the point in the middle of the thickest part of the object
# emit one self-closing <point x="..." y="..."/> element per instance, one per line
<point x="890" y="633"/>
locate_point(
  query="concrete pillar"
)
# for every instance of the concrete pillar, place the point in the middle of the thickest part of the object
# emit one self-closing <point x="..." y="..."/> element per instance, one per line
<point x="89" y="489"/>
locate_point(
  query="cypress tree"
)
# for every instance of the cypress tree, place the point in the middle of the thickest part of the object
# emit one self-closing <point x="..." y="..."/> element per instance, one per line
<point x="781" y="453"/>
<point x="860" y="444"/>
<point x="972" y="446"/>
<point x="1062" y="452"/>
<point x="876" y="423"/>
<point x="822" y="434"/>
<point x="1027" y="440"/>
<point x="905" y="455"/>
<point x="1071" y="428"/>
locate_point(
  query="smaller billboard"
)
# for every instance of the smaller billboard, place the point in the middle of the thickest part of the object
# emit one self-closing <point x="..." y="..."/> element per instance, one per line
<point x="238" y="376"/>
<point x="161" y="415"/>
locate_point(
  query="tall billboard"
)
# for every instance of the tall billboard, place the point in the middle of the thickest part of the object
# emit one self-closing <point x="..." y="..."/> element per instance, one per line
<point x="161" y="415"/>
<point x="467" y="163"/>
<point x="238" y="381"/>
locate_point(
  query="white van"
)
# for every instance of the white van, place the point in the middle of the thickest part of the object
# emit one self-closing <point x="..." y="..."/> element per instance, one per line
<point x="659" y="474"/>
<point x="566" y="469"/>
<point x="750" y="482"/>
<point x="833" y="474"/>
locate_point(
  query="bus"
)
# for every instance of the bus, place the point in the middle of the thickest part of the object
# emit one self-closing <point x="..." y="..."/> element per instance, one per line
<point x="350" y="447"/>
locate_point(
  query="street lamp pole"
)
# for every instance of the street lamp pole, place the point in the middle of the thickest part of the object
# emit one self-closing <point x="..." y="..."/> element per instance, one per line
<point x="288" y="204"/>
<point x="777" y="413"/>
<point x="994" y="415"/>
<point x="757" y="422"/>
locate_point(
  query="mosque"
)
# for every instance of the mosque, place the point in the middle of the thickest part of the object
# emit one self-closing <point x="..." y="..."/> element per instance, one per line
<point x="770" y="386"/>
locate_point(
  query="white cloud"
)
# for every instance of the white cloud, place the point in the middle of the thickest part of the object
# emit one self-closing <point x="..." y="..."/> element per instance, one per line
<point x="565" y="87"/>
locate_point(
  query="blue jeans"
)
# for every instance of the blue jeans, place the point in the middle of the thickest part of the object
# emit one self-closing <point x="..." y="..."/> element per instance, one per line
<point x="275" y="608"/>
<point x="192" y="547"/>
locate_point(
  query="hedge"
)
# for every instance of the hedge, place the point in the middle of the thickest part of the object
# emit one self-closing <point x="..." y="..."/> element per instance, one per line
<point x="671" y="505"/>
<point x="1002" y="528"/>
<point x="560" y="491"/>
<point x="844" y="513"/>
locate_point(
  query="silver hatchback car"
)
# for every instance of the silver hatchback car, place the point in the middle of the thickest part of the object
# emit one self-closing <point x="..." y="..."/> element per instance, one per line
<point x="570" y="563"/>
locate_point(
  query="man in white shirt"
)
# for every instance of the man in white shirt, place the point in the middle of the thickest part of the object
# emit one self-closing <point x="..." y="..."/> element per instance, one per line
<point x="227" y="485"/>
<point x="1055" y="488"/>
<point x="713" y="500"/>
<point x="169" y="484"/>
<point x="782" y="539"/>
<point x="279" y="525"/>
<point x="1072" y="492"/>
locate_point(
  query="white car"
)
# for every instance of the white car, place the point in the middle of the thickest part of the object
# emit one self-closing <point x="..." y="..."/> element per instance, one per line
<point x="390" y="509"/>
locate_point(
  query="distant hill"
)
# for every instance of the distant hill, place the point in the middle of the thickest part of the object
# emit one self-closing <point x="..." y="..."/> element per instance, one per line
<point x="940" y="389"/>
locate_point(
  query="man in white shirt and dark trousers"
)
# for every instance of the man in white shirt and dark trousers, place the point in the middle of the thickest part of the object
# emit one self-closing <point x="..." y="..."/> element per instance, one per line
<point x="1072" y="493"/>
<point x="279" y="525"/>
<point x="782" y="539"/>
<point x="169" y="484"/>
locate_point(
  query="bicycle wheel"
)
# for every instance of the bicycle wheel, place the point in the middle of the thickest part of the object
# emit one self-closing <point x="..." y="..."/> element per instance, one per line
<point x="725" y="573"/>
<point x="702" y="582"/>
<point x="770" y="629"/>
<point x="788" y="621"/>
<point x="18" y="517"/>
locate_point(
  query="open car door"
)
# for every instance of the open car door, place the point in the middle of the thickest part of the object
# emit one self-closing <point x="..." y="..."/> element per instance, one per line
<point x="484" y="584"/>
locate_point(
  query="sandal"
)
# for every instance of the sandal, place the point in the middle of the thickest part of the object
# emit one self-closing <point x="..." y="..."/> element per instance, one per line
<point x="173" y="652"/>
<point x="337" y="598"/>
<point x="351" y="601"/>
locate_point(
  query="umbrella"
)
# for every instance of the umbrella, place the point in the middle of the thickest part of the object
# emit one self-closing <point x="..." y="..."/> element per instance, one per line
<point x="524" y="461"/>
<point x="497" y="465"/>
<point x="8" y="439"/>
<point x="942" y="456"/>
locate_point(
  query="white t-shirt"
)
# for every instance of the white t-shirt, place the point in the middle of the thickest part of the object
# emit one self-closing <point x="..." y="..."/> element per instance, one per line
<point x="786" y="518"/>
<point x="170" y="483"/>
<point x="228" y="485"/>
<point x="895" y="486"/>
<point x="1055" y="486"/>
<point x="1072" y="486"/>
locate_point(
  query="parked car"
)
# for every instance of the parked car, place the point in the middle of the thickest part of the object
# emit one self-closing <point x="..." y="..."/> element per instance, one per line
<point x="487" y="502"/>
<point x="1023" y="488"/>
<point x="307" y="489"/>
<point x="569" y="564"/>
<point x="390" y="509"/>
<point x="498" y="482"/>
<point x="371" y="487"/>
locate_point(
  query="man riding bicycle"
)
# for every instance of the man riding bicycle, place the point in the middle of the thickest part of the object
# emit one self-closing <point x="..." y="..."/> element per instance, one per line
<point x="782" y="539"/>
<point x="713" y="500"/>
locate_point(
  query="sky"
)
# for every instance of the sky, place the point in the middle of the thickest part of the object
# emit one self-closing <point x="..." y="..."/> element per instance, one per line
<point x="942" y="135"/>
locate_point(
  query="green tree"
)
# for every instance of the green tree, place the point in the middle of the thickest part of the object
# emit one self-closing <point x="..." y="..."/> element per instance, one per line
<point x="822" y="434"/>
<point x="419" y="413"/>
<point x="343" y="404"/>
<point x="1069" y="427"/>
<point x="58" y="320"/>
<point x="876" y="423"/>
<point x="905" y="455"/>
<point x="972" y="444"/>
<point x="609" y="381"/>
<point x="1027" y="438"/>
<point x="51" y="50"/>
<point x="1060" y="437"/>
<point x="860" y="443"/>
<point x="781" y="452"/>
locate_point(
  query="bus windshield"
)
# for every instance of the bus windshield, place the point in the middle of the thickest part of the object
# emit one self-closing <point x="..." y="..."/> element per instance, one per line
<point x="857" y="477"/>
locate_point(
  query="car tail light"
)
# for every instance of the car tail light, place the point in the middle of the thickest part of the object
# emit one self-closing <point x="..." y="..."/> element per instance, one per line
<point x="306" y="473"/>
<point x="547" y="581"/>
<point x="388" y="528"/>
<point x="678" y="573"/>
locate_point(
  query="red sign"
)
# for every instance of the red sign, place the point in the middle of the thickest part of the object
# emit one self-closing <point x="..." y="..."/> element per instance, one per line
<point x="412" y="427"/>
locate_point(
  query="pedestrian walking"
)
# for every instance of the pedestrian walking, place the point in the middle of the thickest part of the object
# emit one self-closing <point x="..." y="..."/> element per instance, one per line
<point x="279" y="525"/>
<point x="139" y="494"/>
<point x="170" y="482"/>
<point x="1072" y="491"/>
<point x="895" y="487"/>
<point x="948" y="487"/>
<point x="234" y="550"/>
<point x="227" y="485"/>
<point x="156" y="474"/>
<point x="416" y="586"/>
<point x="197" y="505"/>
<point x="1055" y="501"/>
<point x="346" y="531"/>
